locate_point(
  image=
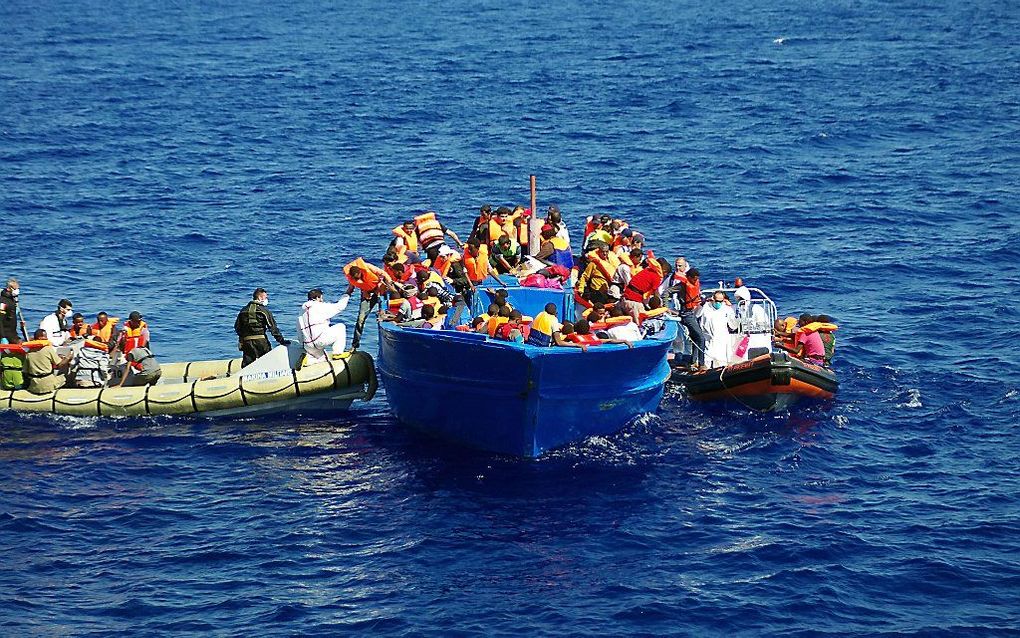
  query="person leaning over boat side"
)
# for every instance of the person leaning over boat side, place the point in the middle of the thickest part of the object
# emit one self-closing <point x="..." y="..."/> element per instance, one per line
<point x="251" y="325"/>
<point x="143" y="369"/>
<point x="828" y="339"/>
<point x="55" y="324"/>
<point x="9" y="312"/>
<point x="367" y="278"/>
<point x="316" y="332"/>
<point x="808" y="344"/>
<point x="42" y="366"/>
<point x="544" y="327"/>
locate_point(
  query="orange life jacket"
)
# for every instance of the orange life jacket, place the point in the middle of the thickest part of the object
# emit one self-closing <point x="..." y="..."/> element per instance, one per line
<point x="442" y="265"/>
<point x="25" y="346"/>
<point x="587" y="339"/>
<point x="104" y="332"/>
<point x="606" y="266"/>
<point x="495" y="323"/>
<point x="133" y="337"/>
<point x="370" y="276"/>
<point x="410" y="240"/>
<point x="653" y="313"/>
<point x="81" y="331"/>
<point x="610" y="322"/>
<point x="477" y="267"/>
<point x="430" y="231"/>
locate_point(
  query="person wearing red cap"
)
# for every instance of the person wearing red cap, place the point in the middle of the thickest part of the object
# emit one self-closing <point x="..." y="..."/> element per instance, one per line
<point x="554" y="249"/>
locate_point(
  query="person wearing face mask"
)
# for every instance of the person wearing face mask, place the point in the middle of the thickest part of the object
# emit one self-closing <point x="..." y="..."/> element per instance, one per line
<point x="9" y="312"/>
<point x="55" y="324"/>
<point x="251" y="325"/>
<point x="718" y="322"/>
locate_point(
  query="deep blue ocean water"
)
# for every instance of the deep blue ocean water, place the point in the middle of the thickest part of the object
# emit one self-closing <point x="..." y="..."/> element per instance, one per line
<point x="855" y="158"/>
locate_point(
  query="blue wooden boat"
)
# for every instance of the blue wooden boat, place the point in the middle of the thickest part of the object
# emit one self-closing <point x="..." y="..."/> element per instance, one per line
<point x="513" y="398"/>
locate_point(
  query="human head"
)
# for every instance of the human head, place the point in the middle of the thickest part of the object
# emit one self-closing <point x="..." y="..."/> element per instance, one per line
<point x="550" y="308"/>
<point x="719" y="295"/>
<point x="603" y="251"/>
<point x="408" y="226"/>
<point x="548" y="232"/>
<point x="473" y="246"/>
<point x="693" y="274"/>
<point x="260" y="294"/>
<point x="64" y="307"/>
<point x="14" y="340"/>
<point x="596" y="314"/>
<point x="428" y="311"/>
<point x="680" y="264"/>
<point x="493" y="309"/>
<point x="135" y="318"/>
<point x="655" y="302"/>
<point x="617" y="311"/>
<point x="504" y="242"/>
<point x="515" y="315"/>
<point x="636" y="255"/>
<point x="779" y="326"/>
<point x="742" y="293"/>
<point x="102" y="318"/>
<point x="805" y="319"/>
<point x="354" y="272"/>
<point x="485" y="210"/>
<point x="78" y="319"/>
<point x="504" y="311"/>
<point x="823" y="319"/>
<point x="567" y="328"/>
<point x="39" y="334"/>
<point x="605" y="221"/>
<point x="582" y="327"/>
<point x="476" y="323"/>
<point x="12" y="283"/>
<point x="314" y="294"/>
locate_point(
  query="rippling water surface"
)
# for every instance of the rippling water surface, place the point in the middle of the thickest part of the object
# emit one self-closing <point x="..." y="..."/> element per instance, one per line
<point x="855" y="158"/>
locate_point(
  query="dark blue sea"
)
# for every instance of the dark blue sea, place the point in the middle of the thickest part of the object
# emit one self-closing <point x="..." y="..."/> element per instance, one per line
<point x="854" y="158"/>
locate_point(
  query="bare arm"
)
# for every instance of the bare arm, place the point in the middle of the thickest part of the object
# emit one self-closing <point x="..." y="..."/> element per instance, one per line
<point x="560" y="341"/>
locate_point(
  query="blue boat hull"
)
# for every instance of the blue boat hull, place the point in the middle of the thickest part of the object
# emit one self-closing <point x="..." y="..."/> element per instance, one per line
<point x="516" y="399"/>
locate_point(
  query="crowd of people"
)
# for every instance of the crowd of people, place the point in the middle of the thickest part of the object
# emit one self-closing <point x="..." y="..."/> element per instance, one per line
<point x="91" y="355"/>
<point x="428" y="284"/>
<point x="623" y="294"/>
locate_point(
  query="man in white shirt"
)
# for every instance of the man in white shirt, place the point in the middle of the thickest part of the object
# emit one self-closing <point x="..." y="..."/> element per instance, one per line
<point x="55" y="324"/>
<point x="316" y="332"/>
<point x="718" y="321"/>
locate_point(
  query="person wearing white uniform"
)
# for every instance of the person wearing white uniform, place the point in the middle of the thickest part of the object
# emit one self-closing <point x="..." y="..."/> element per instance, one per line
<point x="717" y="320"/>
<point x="55" y="324"/>
<point x="754" y="322"/>
<point x="316" y="332"/>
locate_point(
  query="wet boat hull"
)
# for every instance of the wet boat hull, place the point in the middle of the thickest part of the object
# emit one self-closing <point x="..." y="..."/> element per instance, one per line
<point x="767" y="383"/>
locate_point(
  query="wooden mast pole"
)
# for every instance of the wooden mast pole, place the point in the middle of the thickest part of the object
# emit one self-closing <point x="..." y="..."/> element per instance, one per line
<point x="534" y="230"/>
